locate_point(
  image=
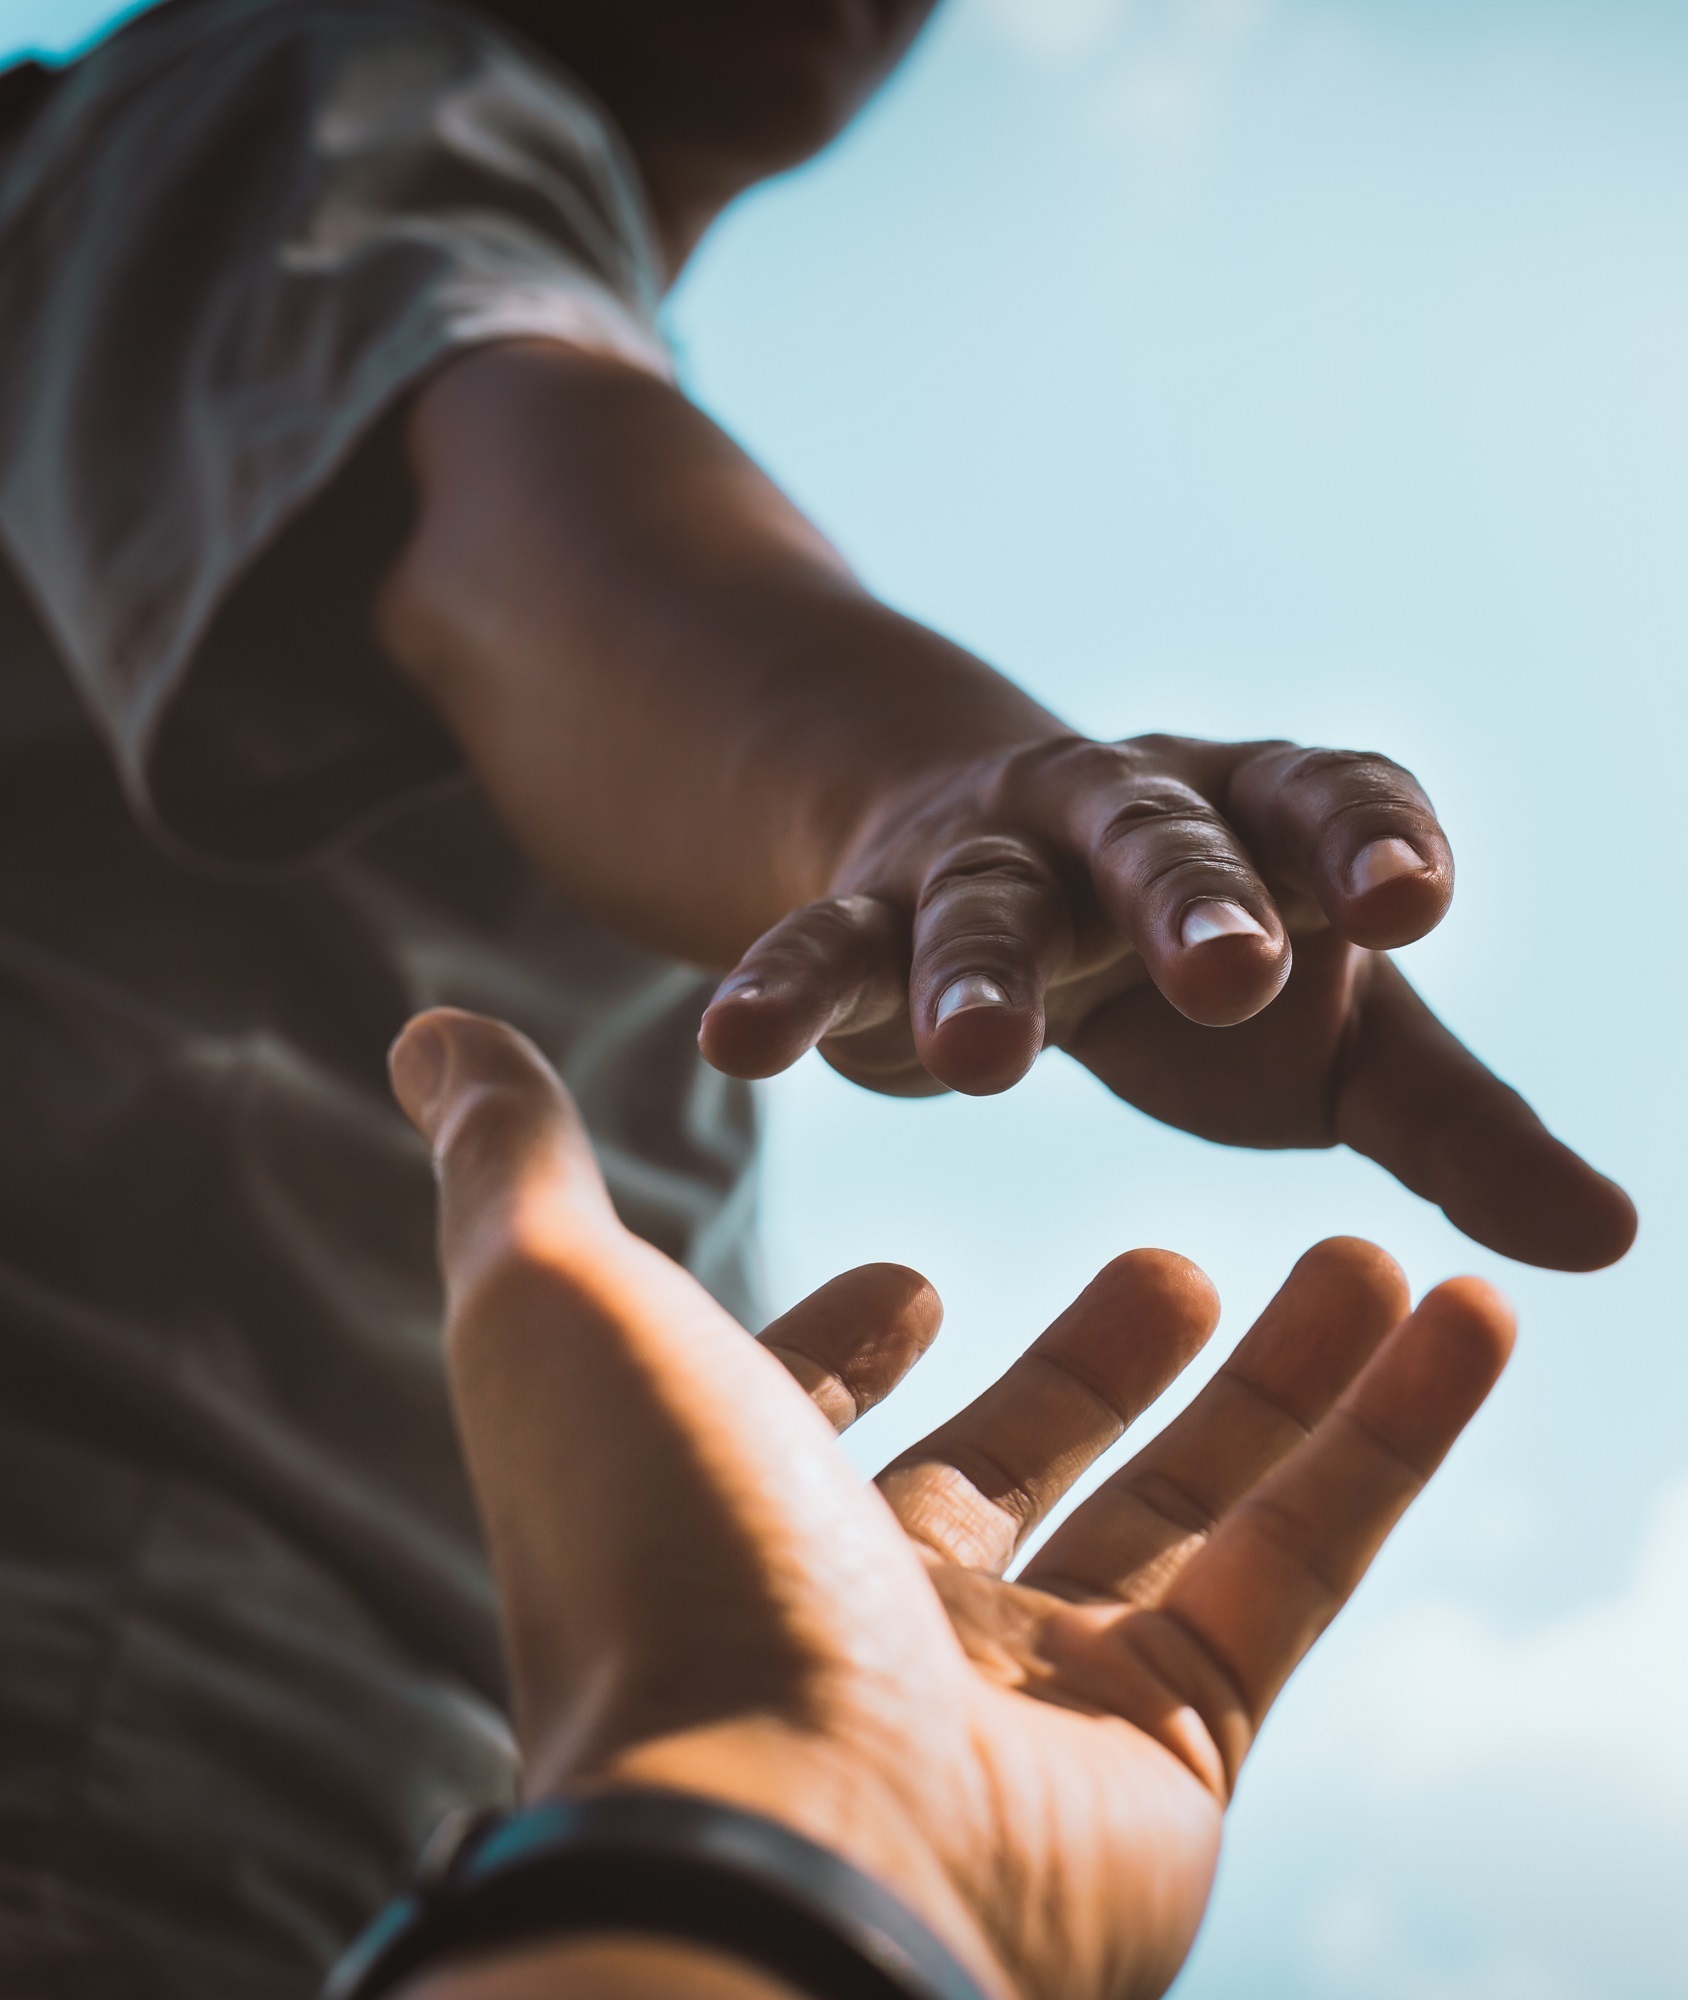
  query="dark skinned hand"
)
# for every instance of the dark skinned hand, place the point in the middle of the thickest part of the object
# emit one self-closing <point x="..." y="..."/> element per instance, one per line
<point x="1205" y="927"/>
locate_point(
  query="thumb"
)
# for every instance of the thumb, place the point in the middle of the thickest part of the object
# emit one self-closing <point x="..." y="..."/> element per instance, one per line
<point x="510" y="1148"/>
<point x="1417" y="1101"/>
<point x="654" y="1487"/>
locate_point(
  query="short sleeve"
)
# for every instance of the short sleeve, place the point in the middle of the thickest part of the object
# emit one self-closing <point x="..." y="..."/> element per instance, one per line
<point x="238" y="235"/>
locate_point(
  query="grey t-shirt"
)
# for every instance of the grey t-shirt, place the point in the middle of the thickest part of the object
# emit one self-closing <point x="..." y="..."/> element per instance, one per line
<point x="247" y="1644"/>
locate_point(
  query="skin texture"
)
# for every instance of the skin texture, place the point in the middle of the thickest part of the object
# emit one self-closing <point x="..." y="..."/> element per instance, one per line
<point x="699" y="1592"/>
<point x="704" y="730"/>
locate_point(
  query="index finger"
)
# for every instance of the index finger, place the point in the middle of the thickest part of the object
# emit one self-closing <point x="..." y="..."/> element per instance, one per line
<point x="1131" y="1538"/>
<point x="851" y="1342"/>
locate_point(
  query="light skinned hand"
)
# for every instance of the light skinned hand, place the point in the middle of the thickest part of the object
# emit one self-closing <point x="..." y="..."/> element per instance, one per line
<point x="1122" y="901"/>
<point x="700" y="1592"/>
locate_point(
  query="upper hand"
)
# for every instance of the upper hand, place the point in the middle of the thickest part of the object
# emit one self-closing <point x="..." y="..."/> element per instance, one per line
<point x="1121" y="900"/>
<point x="698" y="1591"/>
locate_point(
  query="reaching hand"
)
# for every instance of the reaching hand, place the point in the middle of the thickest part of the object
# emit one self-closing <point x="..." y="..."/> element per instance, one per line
<point x="699" y="1592"/>
<point x="1121" y="901"/>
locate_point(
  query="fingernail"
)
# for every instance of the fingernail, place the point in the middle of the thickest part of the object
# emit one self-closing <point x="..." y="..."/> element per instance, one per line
<point x="963" y="994"/>
<point x="742" y="989"/>
<point x="420" y="1065"/>
<point x="1383" y="861"/>
<point x="1205" y="921"/>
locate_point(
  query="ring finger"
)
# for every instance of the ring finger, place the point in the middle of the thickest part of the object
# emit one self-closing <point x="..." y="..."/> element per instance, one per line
<point x="1132" y="1536"/>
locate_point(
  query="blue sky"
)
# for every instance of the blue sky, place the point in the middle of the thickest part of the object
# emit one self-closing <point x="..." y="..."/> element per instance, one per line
<point x="1312" y="368"/>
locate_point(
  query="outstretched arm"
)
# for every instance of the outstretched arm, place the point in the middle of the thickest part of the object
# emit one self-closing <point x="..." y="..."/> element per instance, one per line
<point x="703" y="729"/>
<point x="682" y="700"/>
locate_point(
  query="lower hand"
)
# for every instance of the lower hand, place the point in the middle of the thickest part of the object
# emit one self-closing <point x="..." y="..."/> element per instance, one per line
<point x="699" y="1592"/>
<point x="1121" y="900"/>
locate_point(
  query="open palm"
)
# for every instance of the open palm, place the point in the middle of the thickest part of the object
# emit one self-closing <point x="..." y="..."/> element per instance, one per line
<point x="699" y="1592"/>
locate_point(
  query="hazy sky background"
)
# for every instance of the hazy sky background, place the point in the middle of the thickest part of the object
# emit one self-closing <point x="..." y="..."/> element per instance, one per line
<point x="1309" y="368"/>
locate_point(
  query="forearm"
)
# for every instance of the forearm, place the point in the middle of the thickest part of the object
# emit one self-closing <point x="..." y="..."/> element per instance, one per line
<point x="681" y="702"/>
<point x="601" y="1968"/>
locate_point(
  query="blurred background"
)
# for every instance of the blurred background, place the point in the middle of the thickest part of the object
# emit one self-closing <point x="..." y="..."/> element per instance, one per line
<point x="1314" y="368"/>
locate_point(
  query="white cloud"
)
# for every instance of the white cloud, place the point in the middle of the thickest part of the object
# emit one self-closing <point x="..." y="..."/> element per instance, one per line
<point x="1057" y="28"/>
<point x="1167" y="93"/>
<point x="1447" y="1808"/>
<point x="1153" y="76"/>
<point x="1440" y="1694"/>
<point x="1065" y="28"/>
<point x="1358" y="1946"/>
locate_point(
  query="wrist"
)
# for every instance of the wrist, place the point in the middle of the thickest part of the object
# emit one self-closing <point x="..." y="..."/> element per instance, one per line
<point x="496" y="1897"/>
<point x="830" y="1792"/>
<point x="600" y="1968"/>
<point x="679" y="700"/>
<point x="916" y="725"/>
<point x="919" y="807"/>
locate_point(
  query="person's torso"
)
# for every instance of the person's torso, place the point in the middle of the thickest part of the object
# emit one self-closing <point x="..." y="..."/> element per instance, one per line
<point x="230" y="1454"/>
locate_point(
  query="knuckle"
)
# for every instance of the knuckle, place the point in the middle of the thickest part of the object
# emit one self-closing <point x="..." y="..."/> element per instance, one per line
<point x="1059" y="769"/>
<point x="1184" y="878"/>
<point x="482" y="1130"/>
<point x="839" y="931"/>
<point x="1311" y="764"/>
<point x="988" y="861"/>
<point x="1359" y="778"/>
<point x="1167" y="835"/>
<point x="1152" y="798"/>
<point x="842" y="917"/>
<point x="1158" y="751"/>
<point x="979" y="946"/>
<point x="1062" y="755"/>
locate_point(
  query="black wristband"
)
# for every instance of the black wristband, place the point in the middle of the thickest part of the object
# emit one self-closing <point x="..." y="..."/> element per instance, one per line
<point x="661" y="1864"/>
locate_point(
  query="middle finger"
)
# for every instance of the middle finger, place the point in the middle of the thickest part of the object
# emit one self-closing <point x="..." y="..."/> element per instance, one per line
<point x="1168" y="871"/>
<point x="1132" y="1537"/>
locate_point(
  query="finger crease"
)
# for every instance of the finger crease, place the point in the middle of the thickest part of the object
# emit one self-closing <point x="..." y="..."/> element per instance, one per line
<point x="1122" y="830"/>
<point x="1013" y="1499"/>
<point x="1230" y="1682"/>
<point x="1268" y="1401"/>
<point x="1023" y="870"/>
<point x="1074" y="1589"/>
<point x="1205" y="865"/>
<point x="1289" y="1536"/>
<point x="1158" y="1493"/>
<point x="1108" y="1404"/>
<point x="1418" y="1474"/>
<point x="829" y="1376"/>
